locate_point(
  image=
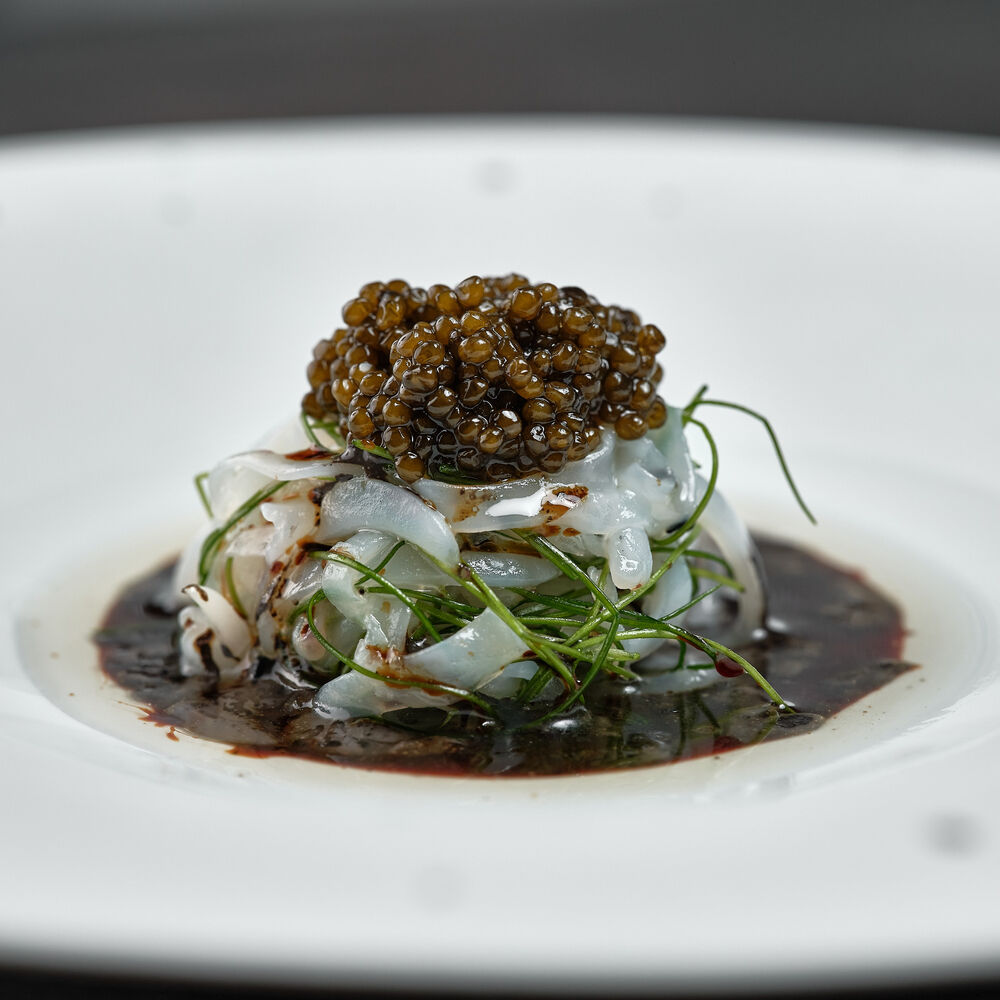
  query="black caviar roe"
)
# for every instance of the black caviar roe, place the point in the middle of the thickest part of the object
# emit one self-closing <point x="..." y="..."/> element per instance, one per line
<point x="495" y="378"/>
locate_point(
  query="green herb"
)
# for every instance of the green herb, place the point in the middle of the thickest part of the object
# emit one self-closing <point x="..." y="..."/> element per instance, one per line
<point x="452" y="474"/>
<point x="720" y="578"/>
<point x="234" y="597"/>
<point x="214" y="540"/>
<point x="373" y="449"/>
<point x="308" y="428"/>
<point x="595" y="617"/>
<point x="199" y="485"/>
<point x="713" y="478"/>
<point x="681" y="656"/>
<point x="709" y="557"/>
<point x="385" y="585"/>
<point x="388" y="556"/>
<point x="311" y="426"/>
<point x="699" y="400"/>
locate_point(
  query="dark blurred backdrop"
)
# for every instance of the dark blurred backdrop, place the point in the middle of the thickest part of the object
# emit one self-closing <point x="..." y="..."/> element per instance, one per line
<point x="68" y="64"/>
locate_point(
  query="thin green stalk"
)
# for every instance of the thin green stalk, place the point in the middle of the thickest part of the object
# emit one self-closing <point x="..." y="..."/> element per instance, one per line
<point x="694" y="401"/>
<point x="681" y="656"/>
<point x="540" y="621"/>
<point x="452" y="474"/>
<point x="370" y="574"/>
<point x="636" y="618"/>
<point x="697" y="599"/>
<point x="711" y="557"/>
<point x="467" y="611"/>
<point x="531" y="604"/>
<point x="435" y="614"/>
<point x="373" y="449"/>
<point x="214" y="540"/>
<point x="570" y="569"/>
<point x="721" y="579"/>
<point x="713" y="478"/>
<point x="623" y="635"/>
<point x="533" y="687"/>
<point x="717" y="649"/>
<point x="234" y="597"/>
<point x="699" y="401"/>
<point x="310" y="428"/>
<point x="199" y="485"/>
<point x="388" y="556"/>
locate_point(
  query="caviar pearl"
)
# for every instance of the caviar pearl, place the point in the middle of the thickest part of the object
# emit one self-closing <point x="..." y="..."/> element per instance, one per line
<point x="493" y="378"/>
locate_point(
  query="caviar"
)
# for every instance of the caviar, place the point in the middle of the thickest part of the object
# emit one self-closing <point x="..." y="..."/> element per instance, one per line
<point x="495" y="378"/>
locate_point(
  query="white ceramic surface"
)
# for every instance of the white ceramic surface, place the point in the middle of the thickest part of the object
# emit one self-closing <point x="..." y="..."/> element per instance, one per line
<point x="161" y="293"/>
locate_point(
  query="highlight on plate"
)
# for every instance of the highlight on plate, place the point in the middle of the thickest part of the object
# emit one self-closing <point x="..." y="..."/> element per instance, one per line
<point x="484" y="513"/>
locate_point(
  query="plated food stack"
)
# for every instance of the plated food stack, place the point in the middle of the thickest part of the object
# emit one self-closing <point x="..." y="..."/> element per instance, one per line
<point x="484" y="498"/>
<point x="483" y="546"/>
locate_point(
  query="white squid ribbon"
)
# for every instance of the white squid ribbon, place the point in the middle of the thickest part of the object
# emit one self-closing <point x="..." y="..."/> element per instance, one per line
<point x="340" y="582"/>
<point x="467" y="659"/>
<point x="671" y="591"/>
<point x="730" y="535"/>
<point x="471" y="655"/>
<point x="235" y="479"/>
<point x="630" y="560"/>
<point x="215" y="622"/>
<point x="510" y="569"/>
<point x="358" y="503"/>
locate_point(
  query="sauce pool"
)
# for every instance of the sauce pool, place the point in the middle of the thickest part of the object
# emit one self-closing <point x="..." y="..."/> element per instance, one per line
<point x="838" y="640"/>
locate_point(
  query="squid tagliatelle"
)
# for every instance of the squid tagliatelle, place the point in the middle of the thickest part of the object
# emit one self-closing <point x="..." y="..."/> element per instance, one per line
<point x="383" y="595"/>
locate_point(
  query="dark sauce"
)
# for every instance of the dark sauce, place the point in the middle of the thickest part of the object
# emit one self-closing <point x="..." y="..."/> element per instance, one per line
<point x="833" y="640"/>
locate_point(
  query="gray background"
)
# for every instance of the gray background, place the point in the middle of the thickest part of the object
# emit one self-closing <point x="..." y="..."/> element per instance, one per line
<point x="67" y="64"/>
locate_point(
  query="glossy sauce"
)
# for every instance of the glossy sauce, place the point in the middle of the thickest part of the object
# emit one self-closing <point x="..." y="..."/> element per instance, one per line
<point x="833" y="640"/>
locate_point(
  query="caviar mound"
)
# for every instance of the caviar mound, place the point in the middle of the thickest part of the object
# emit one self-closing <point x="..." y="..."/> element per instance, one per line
<point x="493" y="379"/>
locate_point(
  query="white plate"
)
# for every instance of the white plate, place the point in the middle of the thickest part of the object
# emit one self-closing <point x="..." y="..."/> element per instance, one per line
<point x="162" y="291"/>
